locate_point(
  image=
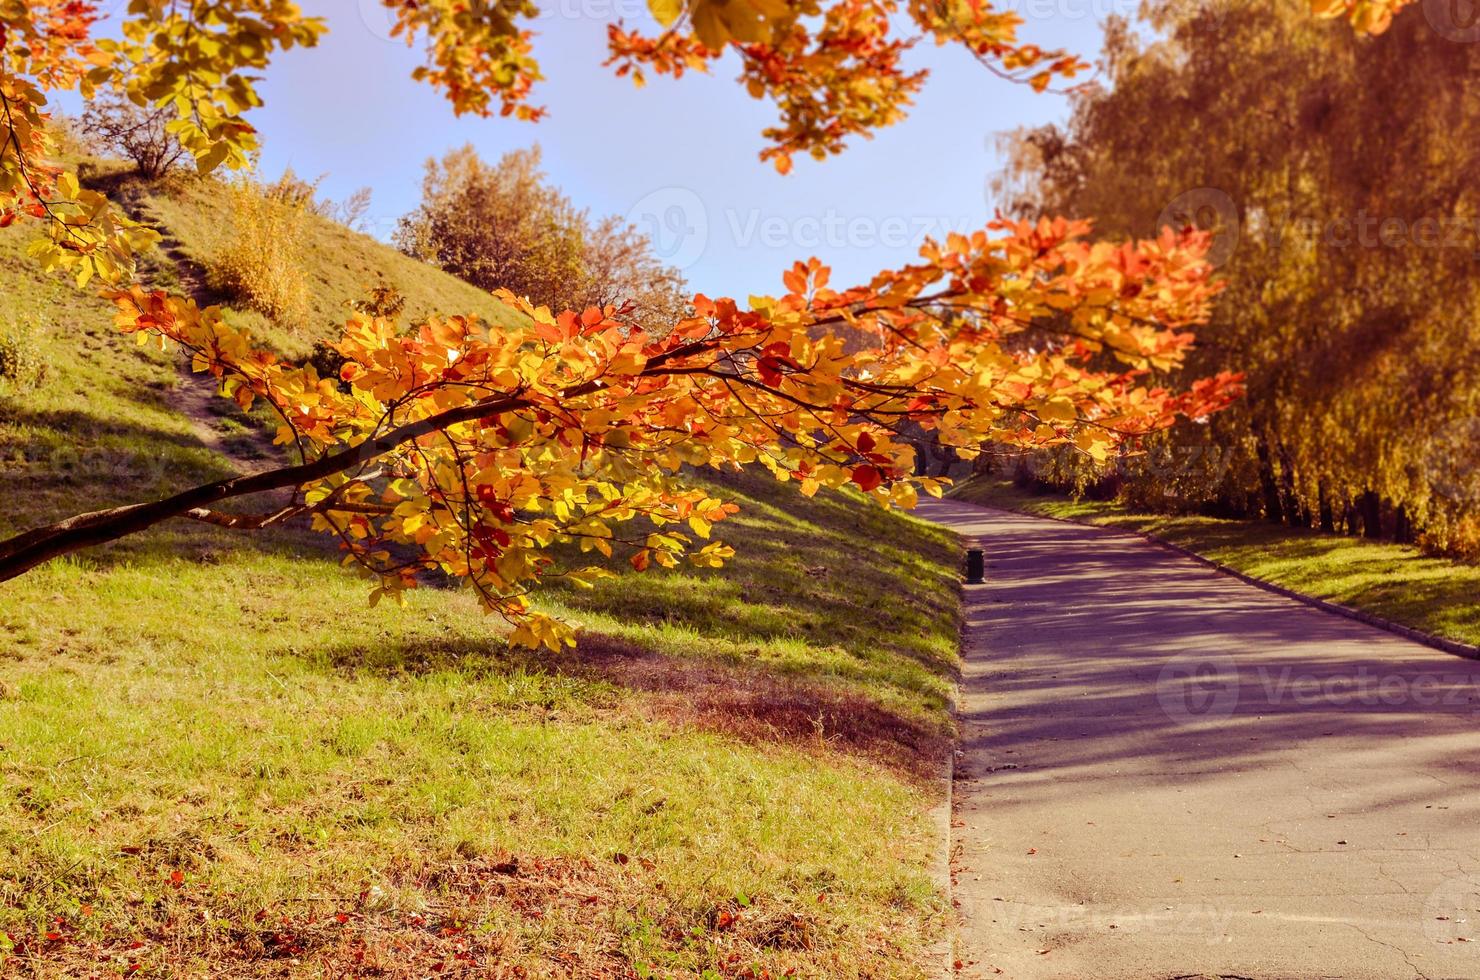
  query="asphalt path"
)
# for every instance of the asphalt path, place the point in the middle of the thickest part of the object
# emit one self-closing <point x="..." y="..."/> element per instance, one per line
<point x="1167" y="772"/>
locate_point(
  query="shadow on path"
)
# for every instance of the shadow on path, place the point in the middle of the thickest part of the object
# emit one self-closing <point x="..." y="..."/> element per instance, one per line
<point x="1169" y="772"/>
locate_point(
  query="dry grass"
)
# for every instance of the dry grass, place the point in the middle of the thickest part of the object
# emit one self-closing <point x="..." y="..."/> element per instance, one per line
<point x="576" y="911"/>
<point x="261" y="260"/>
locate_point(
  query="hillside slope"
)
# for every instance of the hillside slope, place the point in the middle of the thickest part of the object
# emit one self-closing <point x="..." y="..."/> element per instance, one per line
<point x="344" y="265"/>
<point x="216" y="760"/>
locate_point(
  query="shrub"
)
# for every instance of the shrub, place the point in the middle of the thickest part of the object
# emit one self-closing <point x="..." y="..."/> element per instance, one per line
<point x="261" y="263"/>
<point x="294" y="191"/>
<point x="383" y="300"/>
<point x="22" y="364"/>
<point x="328" y="362"/>
<point x="112" y="124"/>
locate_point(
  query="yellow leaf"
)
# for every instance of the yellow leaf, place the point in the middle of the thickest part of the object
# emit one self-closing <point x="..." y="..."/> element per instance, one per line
<point x="1058" y="409"/>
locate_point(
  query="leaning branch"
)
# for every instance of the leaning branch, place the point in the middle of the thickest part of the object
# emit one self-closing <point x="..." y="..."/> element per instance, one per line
<point x="25" y="551"/>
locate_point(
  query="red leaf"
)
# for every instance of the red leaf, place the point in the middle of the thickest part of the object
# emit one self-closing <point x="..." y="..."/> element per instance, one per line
<point x="770" y="369"/>
<point x="866" y="443"/>
<point x="867" y="477"/>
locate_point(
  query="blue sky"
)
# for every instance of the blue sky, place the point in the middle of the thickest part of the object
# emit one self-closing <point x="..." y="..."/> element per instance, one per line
<point x="677" y="157"/>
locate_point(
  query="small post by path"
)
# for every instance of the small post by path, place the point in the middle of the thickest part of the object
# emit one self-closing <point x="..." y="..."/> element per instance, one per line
<point x="976" y="566"/>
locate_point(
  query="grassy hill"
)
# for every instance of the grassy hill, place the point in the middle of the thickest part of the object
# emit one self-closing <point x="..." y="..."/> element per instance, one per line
<point x="343" y="265"/>
<point x="215" y="760"/>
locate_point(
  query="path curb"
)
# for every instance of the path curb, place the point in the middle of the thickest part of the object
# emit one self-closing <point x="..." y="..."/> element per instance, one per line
<point x="944" y="948"/>
<point x="1454" y="647"/>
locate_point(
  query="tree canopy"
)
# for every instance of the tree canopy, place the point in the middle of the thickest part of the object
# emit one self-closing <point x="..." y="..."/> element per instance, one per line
<point x="1349" y="257"/>
<point x="833" y="70"/>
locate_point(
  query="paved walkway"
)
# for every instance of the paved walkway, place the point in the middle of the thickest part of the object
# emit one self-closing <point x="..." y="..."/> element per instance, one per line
<point x="1170" y="773"/>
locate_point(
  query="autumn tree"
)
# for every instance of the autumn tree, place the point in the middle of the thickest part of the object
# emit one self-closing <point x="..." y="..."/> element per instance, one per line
<point x="621" y="269"/>
<point x="1352" y="302"/>
<point x="473" y="451"/>
<point x="505" y="226"/>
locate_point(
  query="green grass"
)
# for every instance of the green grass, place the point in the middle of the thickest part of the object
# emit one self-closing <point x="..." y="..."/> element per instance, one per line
<point x="803" y="597"/>
<point x="1396" y="582"/>
<point x="216" y="760"/>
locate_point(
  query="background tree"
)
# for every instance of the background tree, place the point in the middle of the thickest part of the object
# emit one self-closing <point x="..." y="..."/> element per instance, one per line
<point x="1352" y="300"/>
<point x="112" y="125"/>
<point x="620" y="269"/>
<point x="505" y="226"/>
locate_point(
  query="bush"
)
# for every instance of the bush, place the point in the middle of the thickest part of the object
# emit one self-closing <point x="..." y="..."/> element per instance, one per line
<point x="111" y="124"/>
<point x="328" y="363"/>
<point x="261" y="263"/>
<point x="22" y="365"/>
<point x="293" y="190"/>
<point x="383" y="300"/>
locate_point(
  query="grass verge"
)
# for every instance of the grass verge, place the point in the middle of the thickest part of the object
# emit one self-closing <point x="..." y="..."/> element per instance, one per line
<point x="1395" y="582"/>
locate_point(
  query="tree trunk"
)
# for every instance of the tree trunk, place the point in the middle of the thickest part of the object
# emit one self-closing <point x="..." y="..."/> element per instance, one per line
<point x="1328" y="517"/>
<point x="1273" y="511"/>
<point x="1403" y="527"/>
<point x="1295" y="513"/>
<point x="1371" y="508"/>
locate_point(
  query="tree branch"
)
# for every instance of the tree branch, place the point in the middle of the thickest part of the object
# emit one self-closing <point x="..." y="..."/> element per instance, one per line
<point x="27" y="550"/>
<point x="23" y="552"/>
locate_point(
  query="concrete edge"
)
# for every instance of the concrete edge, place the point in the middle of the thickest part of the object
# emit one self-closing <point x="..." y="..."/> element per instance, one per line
<point x="1454" y="647"/>
<point x="943" y="950"/>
